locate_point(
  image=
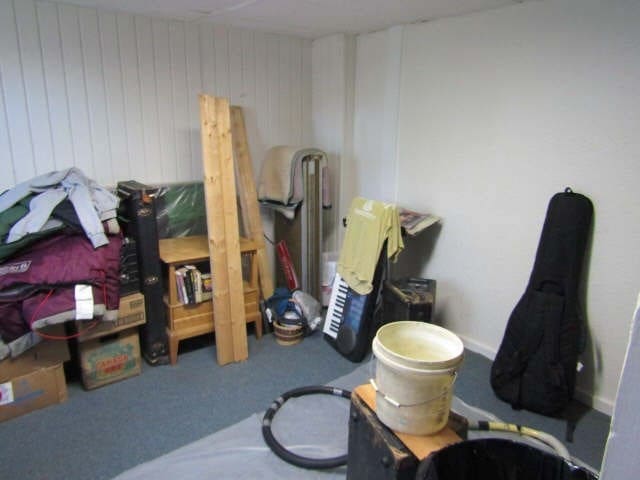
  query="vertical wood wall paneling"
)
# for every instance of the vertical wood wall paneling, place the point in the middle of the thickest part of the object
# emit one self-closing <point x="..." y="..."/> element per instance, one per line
<point x="148" y="93"/>
<point x="284" y="94"/>
<point x="115" y="94"/>
<point x="221" y="48"/>
<point x="261" y="140"/>
<point x="96" y="99"/>
<point x="76" y="89"/>
<point x="273" y="92"/>
<point x="161" y="55"/>
<point x="56" y="90"/>
<point x="261" y="104"/>
<point x="8" y="178"/>
<point x="36" y="96"/>
<point x="249" y="96"/>
<point x="307" y="110"/>
<point x="179" y="94"/>
<point x="235" y="66"/>
<point x="19" y="131"/>
<point x="295" y="90"/>
<point x="194" y="88"/>
<point x="132" y="97"/>
<point x="207" y="57"/>
<point x="114" y="98"/>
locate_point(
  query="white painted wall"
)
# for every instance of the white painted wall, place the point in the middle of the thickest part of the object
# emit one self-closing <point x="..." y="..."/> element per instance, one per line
<point x="116" y="94"/>
<point x="481" y="119"/>
<point x="377" y="95"/>
<point x="497" y="112"/>
<point x="333" y="70"/>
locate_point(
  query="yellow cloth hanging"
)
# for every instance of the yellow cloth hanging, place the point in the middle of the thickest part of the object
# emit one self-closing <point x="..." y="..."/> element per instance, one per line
<point x="369" y="224"/>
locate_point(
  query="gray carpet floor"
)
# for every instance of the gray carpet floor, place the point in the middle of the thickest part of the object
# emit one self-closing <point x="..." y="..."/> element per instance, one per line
<point x="101" y="433"/>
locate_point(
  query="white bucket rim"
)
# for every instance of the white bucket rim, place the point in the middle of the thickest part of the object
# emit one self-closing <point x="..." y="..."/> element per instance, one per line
<point x="378" y="352"/>
<point x="456" y="344"/>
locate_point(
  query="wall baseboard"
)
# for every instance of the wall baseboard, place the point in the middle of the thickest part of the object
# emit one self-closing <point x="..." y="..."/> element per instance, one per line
<point x="603" y="405"/>
<point x="478" y="347"/>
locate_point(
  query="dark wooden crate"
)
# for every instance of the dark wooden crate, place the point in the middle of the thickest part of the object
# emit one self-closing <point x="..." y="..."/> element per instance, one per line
<point x="376" y="452"/>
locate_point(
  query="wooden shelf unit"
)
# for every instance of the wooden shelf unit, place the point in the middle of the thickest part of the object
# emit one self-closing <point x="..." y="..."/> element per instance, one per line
<point x="186" y="321"/>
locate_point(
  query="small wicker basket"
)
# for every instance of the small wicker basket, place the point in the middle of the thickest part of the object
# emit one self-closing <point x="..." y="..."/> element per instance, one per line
<point x="287" y="334"/>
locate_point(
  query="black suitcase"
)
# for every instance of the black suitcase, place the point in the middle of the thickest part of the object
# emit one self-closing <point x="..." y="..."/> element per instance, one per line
<point x="137" y="215"/>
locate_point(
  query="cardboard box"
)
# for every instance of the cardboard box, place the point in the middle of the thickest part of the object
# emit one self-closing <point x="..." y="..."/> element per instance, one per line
<point x="131" y="312"/>
<point x="33" y="380"/>
<point x="110" y="358"/>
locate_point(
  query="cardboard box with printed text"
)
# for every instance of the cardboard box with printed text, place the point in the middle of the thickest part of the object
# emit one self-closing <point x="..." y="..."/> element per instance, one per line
<point x="131" y="313"/>
<point x="110" y="358"/>
<point x="35" y="379"/>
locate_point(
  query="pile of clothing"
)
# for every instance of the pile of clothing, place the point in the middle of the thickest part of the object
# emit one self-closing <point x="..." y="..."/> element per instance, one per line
<point x="59" y="256"/>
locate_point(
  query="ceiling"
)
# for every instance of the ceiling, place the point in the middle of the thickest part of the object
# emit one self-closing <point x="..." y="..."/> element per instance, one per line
<point x="306" y="18"/>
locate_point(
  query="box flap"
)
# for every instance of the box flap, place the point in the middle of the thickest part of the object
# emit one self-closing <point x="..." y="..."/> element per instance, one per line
<point x="45" y="354"/>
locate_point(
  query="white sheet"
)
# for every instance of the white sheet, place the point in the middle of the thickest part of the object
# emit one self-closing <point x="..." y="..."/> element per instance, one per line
<point x="311" y="426"/>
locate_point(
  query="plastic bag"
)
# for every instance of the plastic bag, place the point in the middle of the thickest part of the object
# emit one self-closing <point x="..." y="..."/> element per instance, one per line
<point x="310" y="309"/>
<point x="498" y="459"/>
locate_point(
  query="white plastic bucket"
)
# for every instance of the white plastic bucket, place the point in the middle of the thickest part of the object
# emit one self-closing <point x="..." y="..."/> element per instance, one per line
<point x="416" y="368"/>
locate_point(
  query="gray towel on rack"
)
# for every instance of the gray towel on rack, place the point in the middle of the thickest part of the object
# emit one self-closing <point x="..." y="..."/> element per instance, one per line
<point x="281" y="183"/>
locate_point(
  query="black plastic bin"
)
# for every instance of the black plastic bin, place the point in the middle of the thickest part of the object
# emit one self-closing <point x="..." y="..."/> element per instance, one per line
<point x="409" y="299"/>
<point x="498" y="459"/>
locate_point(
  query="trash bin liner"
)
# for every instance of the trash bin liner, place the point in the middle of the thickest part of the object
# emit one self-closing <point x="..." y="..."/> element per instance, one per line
<point x="498" y="459"/>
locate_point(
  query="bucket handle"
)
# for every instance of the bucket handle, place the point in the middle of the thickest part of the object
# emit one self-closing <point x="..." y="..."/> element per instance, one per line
<point x="397" y="404"/>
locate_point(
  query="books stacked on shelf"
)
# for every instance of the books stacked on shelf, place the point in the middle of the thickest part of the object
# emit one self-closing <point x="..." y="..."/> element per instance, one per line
<point x="193" y="286"/>
<point x="415" y="222"/>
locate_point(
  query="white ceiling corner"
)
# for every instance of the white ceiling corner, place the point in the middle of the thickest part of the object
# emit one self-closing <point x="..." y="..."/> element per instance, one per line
<point x="305" y="18"/>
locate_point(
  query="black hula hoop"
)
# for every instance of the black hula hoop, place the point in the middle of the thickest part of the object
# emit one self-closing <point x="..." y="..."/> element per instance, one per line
<point x="282" y="452"/>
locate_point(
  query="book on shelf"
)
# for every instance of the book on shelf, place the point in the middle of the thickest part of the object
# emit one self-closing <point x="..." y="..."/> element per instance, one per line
<point x="415" y="222"/>
<point x="196" y="282"/>
<point x="180" y="285"/>
<point x="188" y="281"/>
<point x="207" y="286"/>
<point x="193" y="286"/>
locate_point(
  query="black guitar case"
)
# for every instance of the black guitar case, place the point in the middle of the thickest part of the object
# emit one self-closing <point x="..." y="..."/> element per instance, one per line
<point x="535" y="367"/>
<point x="137" y="215"/>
